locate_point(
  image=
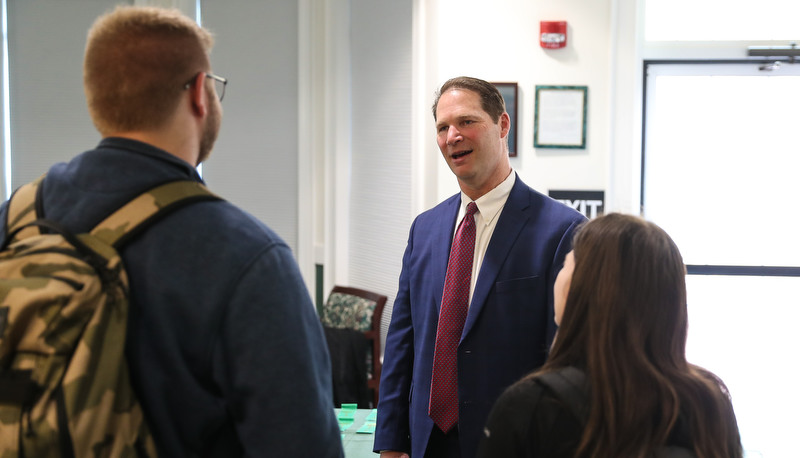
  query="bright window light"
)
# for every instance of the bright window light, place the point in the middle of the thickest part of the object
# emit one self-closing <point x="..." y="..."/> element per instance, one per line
<point x="720" y="176"/>
<point x="721" y="168"/>
<point x="721" y="20"/>
<point x="744" y="329"/>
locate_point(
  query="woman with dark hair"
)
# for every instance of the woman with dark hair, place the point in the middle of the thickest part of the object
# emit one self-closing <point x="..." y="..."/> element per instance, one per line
<point x="620" y="302"/>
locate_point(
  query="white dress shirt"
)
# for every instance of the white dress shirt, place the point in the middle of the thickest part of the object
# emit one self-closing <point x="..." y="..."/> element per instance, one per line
<point x="490" y="205"/>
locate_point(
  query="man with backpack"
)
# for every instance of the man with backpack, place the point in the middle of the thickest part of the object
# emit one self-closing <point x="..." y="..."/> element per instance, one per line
<point x="225" y="351"/>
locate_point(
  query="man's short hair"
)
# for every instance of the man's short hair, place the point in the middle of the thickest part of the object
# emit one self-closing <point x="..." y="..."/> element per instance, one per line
<point x="137" y="62"/>
<point x="491" y="100"/>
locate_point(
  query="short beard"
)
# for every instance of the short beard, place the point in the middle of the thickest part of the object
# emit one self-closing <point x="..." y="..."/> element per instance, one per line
<point x="210" y="131"/>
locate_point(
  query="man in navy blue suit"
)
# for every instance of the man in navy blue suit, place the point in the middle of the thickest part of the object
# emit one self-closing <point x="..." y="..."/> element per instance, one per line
<point x="521" y="239"/>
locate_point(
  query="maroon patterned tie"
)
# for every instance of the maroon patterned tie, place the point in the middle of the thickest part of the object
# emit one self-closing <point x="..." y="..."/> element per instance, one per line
<point x="443" y="408"/>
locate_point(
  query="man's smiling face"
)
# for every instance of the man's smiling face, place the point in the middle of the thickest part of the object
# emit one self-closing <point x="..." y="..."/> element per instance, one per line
<point x="471" y="143"/>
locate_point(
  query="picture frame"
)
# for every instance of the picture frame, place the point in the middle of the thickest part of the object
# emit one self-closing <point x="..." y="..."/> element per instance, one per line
<point x="510" y="93"/>
<point x="560" y="117"/>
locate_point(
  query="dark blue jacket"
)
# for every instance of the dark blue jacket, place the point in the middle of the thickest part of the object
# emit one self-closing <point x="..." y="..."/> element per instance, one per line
<point x="509" y="325"/>
<point x="225" y="349"/>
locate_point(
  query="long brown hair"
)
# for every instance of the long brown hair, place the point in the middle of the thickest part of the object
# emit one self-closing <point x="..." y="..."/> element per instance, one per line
<point x="625" y="322"/>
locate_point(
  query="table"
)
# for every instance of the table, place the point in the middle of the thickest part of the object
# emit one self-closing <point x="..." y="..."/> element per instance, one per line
<point x="357" y="445"/>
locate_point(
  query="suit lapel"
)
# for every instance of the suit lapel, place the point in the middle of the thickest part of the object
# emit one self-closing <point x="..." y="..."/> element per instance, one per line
<point x="442" y="238"/>
<point x="513" y="217"/>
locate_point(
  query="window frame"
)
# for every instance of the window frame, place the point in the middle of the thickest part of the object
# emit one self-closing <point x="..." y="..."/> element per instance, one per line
<point x="707" y="269"/>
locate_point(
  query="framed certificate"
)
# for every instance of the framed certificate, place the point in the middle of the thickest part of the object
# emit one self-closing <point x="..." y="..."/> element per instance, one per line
<point x="560" y="117"/>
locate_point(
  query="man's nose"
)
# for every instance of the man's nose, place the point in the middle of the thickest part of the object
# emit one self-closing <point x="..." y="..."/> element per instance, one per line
<point x="453" y="136"/>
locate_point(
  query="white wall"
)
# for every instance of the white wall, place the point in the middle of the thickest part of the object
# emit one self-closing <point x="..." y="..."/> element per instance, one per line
<point x="255" y="159"/>
<point x="500" y="42"/>
<point x="380" y="180"/>
<point x="49" y="121"/>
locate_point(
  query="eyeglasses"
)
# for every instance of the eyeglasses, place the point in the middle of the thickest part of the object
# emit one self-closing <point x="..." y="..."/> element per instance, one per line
<point x="219" y="84"/>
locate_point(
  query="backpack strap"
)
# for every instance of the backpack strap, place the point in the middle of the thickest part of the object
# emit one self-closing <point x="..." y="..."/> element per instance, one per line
<point x="568" y="384"/>
<point x="147" y="208"/>
<point x="23" y="209"/>
<point x="23" y="215"/>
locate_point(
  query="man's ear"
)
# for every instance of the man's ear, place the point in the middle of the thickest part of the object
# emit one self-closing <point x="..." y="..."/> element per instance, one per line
<point x="198" y="95"/>
<point x="505" y="125"/>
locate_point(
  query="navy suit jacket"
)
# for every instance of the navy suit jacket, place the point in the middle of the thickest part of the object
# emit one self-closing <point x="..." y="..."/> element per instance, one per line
<point x="508" y="329"/>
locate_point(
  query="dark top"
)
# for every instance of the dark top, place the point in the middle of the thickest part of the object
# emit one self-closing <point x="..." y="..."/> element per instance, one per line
<point x="529" y="421"/>
<point x="225" y="348"/>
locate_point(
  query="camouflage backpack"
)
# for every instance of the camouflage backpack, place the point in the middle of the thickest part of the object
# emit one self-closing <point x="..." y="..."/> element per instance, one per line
<point x="64" y="384"/>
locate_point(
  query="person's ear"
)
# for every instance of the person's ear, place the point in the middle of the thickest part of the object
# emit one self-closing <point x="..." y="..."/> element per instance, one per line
<point x="198" y="95"/>
<point x="505" y="125"/>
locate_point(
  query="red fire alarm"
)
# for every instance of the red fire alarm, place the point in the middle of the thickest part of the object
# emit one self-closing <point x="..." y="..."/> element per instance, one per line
<point x="553" y="34"/>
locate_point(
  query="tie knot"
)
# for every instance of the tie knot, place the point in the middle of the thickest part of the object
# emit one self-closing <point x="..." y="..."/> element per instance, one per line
<point x="472" y="208"/>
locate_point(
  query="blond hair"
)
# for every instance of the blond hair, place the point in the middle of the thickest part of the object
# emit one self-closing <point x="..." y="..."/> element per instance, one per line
<point x="136" y="64"/>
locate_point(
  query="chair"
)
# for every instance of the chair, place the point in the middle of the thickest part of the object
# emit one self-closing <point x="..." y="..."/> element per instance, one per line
<point x="360" y="310"/>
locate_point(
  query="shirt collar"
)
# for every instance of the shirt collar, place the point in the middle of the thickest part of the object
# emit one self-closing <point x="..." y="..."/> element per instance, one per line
<point x="490" y="204"/>
<point x="147" y="149"/>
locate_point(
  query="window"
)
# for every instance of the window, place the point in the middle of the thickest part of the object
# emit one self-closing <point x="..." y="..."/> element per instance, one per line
<point x="720" y="176"/>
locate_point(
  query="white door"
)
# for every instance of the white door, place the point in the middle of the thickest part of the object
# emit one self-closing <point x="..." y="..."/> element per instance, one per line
<point x="721" y="174"/>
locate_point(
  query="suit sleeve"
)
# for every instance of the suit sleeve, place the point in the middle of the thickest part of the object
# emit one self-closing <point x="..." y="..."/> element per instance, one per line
<point x="564" y="247"/>
<point x="392" y="429"/>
